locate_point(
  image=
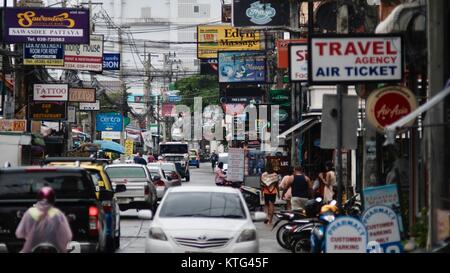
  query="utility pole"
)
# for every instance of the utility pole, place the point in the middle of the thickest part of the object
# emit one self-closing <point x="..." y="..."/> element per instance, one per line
<point x="342" y="27"/>
<point x="123" y="87"/>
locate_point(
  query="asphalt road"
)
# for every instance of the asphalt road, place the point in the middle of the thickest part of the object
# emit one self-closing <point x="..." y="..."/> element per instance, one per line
<point x="134" y="230"/>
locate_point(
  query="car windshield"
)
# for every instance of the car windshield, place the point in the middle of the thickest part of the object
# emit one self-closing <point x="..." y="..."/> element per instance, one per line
<point x="203" y="204"/>
<point x="154" y="173"/>
<point x="173" y="148"/>
<point x="26" y="184"/>
<point x="126" y="172"/>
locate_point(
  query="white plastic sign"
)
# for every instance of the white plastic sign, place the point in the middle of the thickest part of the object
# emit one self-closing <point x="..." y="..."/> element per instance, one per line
<point x="298" y="62"/>
<point x="382" y="226"/>
<point x="356" y="59"/>
<point x="50" y="92"/>
<point x="346" y="235"/>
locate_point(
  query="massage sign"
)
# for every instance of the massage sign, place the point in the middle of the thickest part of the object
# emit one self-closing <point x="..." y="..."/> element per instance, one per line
<point x="389" y="104"/>
<point x="358" y="59"/>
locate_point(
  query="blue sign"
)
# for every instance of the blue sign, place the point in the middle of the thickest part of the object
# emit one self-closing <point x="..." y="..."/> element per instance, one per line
<point x="43" y="54"/>
<point x="242" y="66"/>
<point x="384" y="195"/>
<point x="109" y="122"/>
<point x="111" y="61"/>
<point x="174" y="98"/>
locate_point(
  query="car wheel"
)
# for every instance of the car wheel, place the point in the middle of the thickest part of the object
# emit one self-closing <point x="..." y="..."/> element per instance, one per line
<point x="198" y="166"/>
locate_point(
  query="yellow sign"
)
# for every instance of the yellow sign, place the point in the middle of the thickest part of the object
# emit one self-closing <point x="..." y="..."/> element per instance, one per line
<point x="211" y="39"/>
<point x="54" y="62"/>
<point x="129" y="147"/>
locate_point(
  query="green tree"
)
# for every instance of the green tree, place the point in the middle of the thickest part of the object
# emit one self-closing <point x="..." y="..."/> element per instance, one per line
<point x="205" y="86"/>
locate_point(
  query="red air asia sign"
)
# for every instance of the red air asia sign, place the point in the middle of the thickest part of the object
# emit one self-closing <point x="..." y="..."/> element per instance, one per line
<point x="355" y="59"/>
<point x="387" y="105"/>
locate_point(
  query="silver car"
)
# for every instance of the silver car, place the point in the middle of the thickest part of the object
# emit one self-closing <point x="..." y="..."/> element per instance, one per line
<point x="140" y="193"/>
<point x="161" y="180"/>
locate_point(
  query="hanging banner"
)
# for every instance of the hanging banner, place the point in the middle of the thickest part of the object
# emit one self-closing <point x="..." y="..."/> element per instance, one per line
<point x="46" y="25"/>
<point x="283" y="51"/>
<point x="298" y="62"/>
<point x="242" y="66"/>
<point x="211" y="39"/>
<point x="349" y="59"/>
<point x="82" y="95"/>
<point x="43" y="54"/>
<point x="389" y="104"/>
<point x="262" y="13"/>
<point x="84" y="57"/>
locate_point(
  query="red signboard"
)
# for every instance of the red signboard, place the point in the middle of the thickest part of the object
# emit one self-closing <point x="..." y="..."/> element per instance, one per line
<point x="283" y="53"/>
<point x="387" y="105"/>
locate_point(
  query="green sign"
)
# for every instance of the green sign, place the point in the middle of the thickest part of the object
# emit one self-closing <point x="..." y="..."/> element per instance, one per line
<point x="126" y="120"/>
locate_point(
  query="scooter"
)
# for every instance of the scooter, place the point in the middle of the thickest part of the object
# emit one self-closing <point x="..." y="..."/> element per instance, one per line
<point x="286" y="233"/>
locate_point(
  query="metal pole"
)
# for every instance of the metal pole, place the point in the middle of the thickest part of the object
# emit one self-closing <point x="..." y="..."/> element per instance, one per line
<point x="4" y="58"/>
<point x="342" y="27"/>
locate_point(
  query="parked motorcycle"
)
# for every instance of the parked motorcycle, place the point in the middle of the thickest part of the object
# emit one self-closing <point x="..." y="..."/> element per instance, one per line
<point x="252" y="197"/>
<point x="296" y="219"/>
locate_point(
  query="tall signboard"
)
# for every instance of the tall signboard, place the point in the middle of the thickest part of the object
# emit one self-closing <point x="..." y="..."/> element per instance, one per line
<point x="298" y="62"/>
<point x="46" y="25"/>
<point x="355" y="59"/>
<point x="50" y="92"/>
<point x="43" y="54"/>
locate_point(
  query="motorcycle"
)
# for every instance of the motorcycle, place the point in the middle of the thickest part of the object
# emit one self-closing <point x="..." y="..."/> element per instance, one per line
<point x="296" y="219"/>
<point x="317" y="240"/>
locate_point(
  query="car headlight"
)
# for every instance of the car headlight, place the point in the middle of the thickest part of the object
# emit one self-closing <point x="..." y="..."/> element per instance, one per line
<point x="247" y="235"/>
<point x="157" y="234"/>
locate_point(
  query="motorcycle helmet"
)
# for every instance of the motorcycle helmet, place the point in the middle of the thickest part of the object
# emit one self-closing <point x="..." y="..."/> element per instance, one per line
<point x="48" y="194"/>
<point x="328" y="208"/>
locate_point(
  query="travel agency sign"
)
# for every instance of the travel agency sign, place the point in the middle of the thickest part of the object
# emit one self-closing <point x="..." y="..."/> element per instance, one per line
<point x="349" y="59"/>
<point x="389" y="104"/>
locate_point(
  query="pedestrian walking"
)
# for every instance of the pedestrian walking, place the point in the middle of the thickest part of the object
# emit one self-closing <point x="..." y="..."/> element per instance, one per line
<point x="329" y="179"/>
<point x="287" y="194"/>
<point x="269" y="185"/>
<point x="138" y="159"/>
<point x="301" y="189"/>
<point x="151" y="158"/>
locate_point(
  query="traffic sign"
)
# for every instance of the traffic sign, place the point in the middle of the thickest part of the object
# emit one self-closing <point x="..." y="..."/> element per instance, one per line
<point x="109" y="122"/>
<point x="50" y="92"/>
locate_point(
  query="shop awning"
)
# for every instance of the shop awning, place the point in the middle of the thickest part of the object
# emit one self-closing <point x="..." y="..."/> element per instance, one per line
<point x="302" y="126"/>
<point x="391" y="130"/>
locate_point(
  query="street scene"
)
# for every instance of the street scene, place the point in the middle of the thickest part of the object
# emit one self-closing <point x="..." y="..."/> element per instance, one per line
<point x="225" y="126"/>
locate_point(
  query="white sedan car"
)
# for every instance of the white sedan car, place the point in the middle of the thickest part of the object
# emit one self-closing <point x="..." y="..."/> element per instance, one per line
<point x="203" y="219"/>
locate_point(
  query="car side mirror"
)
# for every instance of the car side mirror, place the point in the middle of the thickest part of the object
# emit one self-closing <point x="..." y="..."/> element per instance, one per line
<point x="145" y="214"/>
<point x="105" y="195"/>
<point x="259" y="216"/>
<point x="120" y="188"/>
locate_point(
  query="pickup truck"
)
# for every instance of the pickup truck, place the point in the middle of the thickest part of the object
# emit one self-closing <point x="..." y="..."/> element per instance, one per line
<point x="75" y="196"/>
<point x="140" y="191"/>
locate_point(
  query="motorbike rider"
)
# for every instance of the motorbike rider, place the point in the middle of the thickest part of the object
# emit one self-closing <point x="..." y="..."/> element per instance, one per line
<point x="44" y="223"/>
<point x="219" y="175"/>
